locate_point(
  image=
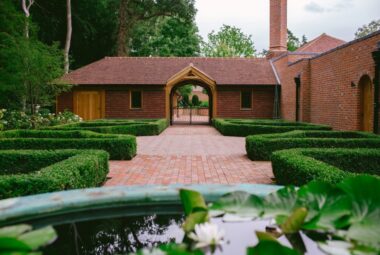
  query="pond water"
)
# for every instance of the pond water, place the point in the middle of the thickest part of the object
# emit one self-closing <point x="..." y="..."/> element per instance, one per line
<point x="123" y="235"/>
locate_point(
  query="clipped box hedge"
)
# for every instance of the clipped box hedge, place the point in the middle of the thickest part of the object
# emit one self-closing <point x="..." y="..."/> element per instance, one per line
<point x="261" y="147"/>
<point x="300" y="166"/>
<point x="142" y="127"/>
<point x="119" y="147"/>
<point x="236" y="127"/>
<point x="27" y="172"/>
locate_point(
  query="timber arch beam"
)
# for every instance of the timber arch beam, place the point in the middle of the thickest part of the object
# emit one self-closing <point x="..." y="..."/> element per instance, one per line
<point x="194" y="76"/>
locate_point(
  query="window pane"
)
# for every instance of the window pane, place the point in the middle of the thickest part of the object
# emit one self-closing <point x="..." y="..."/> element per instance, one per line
<point x="136" y="99"/>
<point x="246" y="99"/>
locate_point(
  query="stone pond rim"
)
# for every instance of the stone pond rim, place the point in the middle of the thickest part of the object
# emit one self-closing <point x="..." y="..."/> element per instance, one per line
<point x="86" y="204"/>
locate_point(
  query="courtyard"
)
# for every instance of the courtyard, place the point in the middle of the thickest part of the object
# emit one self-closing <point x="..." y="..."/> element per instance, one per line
<point x="189" y="154"/>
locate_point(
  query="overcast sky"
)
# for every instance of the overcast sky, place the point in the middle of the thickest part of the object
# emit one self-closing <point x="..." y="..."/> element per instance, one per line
<point x="339" y="18"/>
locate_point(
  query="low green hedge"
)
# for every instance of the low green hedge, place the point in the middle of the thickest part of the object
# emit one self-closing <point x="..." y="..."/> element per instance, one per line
<point x="235" y="127"/>
<point x="27" y="172"/>
<point x="300" y="166"/>
<point x="118" y="146"/>
<point x="261" y="147"/>
<point x="131" y="127"/>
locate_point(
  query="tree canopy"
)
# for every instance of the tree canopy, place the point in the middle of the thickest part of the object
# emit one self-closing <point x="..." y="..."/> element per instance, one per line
<point x="365" y="30"/>
<point x="229" y="41"/>
<point x="294" y="42"/>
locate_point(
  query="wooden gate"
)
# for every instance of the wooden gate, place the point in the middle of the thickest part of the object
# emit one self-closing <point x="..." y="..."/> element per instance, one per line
<point x="366" y="106"/>
<point x="89" y="105"/>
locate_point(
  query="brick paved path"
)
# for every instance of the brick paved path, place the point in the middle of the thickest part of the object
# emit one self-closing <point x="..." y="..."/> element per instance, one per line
<point x="189" y="155"/>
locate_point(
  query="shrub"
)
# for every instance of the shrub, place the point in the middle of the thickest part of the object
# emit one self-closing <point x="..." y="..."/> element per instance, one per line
<point x="22" y="120"/>
<point x="300" y="166"/>
<point x="195" y="100"/>
<point x="26" y="172"/>
<point x="236" y="127"/>
<point x="131" y="127"/>
<point x="118" y="146"/>
<point x="261" y="147"/>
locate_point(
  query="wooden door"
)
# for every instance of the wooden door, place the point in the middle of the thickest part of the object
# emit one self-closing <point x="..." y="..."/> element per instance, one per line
<point x="89" y="104"/>
<point x="366" y="111"/>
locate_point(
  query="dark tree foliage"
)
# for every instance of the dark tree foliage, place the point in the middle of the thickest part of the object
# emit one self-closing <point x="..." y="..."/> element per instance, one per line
<point x="94" y="27"/>
<point x="133" y="12"/>
<point x="27" y="66"/>
<point x="165" y="36"/>
<point x="294" y="42"/>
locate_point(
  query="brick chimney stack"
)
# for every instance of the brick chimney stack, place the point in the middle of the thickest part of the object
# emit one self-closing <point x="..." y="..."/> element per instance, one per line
<point x="278" y="27"/>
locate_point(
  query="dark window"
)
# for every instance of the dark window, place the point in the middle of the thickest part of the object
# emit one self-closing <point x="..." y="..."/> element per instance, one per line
<point x="136" y="99"/>
<point x="246" y="99"/>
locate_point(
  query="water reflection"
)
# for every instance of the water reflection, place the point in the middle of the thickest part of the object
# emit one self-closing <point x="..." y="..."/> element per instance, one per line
<point x="116" y="236"/>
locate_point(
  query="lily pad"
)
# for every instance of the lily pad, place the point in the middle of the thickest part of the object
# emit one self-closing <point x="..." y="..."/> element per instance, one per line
<point x="280" y="204"/>
<point x="38" y="238"/>
<point x="241" y="203"/>
<point x="192" y="201"/>
<point x="328" y="206"/>
<point x="365" y="213"/>
<point x="271" y="248"/>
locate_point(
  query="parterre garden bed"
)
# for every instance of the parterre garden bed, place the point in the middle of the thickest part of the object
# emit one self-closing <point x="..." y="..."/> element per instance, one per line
<point x="242" y="128"/>
<point x="120" y="147"/>
<point x="300" y="166"/>
<point x="261" y="147"/>
<point x="143" y="127"/>
<point x="26" y="172"/>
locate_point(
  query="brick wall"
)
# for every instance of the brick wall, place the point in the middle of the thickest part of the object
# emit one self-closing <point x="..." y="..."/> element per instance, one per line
<point x="327" y="95"/>
<point x="65" y="102"/>
<point x="334" y="101"/>
<point x="118" y="104"/>
<point x="228" y="102"/>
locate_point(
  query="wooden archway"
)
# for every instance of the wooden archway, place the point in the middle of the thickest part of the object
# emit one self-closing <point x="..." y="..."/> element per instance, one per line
<point x="366" y="103"/>
<point x="191" y="75"/>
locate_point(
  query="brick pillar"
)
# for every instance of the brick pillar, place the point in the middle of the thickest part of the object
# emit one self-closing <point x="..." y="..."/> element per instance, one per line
<point x="278" y="27"/>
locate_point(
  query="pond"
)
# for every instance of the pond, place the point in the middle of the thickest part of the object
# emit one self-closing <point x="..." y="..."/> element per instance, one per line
<point x="123" y="235"/>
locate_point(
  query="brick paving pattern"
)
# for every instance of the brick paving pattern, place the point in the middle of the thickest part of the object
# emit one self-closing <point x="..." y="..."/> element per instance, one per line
<point x="189" y="155"/>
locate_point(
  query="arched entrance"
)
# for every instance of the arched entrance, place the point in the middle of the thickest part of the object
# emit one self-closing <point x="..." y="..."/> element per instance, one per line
<point x="194" y="76"/>
<point x="366" y="103"/>
<point x="187" y="111"/>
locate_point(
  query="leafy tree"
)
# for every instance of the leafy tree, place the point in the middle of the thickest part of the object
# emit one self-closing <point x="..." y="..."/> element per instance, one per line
<point x="132" y="12"/>
<point x="27" y="66"/>
<point x="185" y="100"/>
<point x="195" y="100"/>
<point x="294" y="42"/>
<point x="229" y="41"/>
<point x="185" y="90"/>
<point x="373" y="26"/>
<point x="94" y="27"/>
<point x="165" y="36"/>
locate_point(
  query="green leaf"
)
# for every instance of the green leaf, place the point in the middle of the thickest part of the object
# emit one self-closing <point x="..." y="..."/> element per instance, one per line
<point x="178" y="249"/>
<point x="365" y="220"/>
<point x="241" y="203"/>
<point x="271" y="248"/>
<point x="12" y="244"/>
<point x="264" y="236"/>
<point x="194" y="219"/>
<point x="192" y="201"/>
<point x="280" y="204"/>
<point x="328" y="206"/>
<point x="295" y="221"/>
<point x="14" y="231"/>
<point x="38" y="238"/>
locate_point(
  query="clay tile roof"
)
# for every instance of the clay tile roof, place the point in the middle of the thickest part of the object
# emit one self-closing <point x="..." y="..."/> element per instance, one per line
<point x="157" y="70"/>
<point x="321" y="44"/>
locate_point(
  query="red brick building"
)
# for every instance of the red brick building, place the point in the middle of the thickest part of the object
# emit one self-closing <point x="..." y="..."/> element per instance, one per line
<point x="327" y="81"/>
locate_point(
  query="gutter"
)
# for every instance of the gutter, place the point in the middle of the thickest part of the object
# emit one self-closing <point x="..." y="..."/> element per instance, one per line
<point x="276" y="108"/>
